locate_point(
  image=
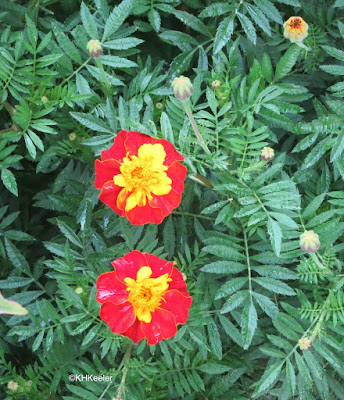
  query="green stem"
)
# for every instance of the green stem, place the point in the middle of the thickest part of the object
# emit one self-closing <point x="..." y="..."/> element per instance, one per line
<point x="105" y="80"/>
<point x="125" y="371"/>
<point x="76" y="71"/>
<point x="248" y="262"/>
<point x="188" y="111"/>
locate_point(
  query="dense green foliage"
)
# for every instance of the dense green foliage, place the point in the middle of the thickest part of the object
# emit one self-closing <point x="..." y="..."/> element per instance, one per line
<point x="235" y="235"/>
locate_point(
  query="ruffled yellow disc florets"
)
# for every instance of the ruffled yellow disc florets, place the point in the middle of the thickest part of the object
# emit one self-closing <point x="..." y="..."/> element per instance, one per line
<point x="146" y="293"/>
<point x="142" y="176"/>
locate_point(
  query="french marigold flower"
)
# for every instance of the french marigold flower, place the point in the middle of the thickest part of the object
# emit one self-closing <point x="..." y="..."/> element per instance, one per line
<point x="145" y="297"/>
<point x="140" y="177"/>
<point x="295" y="29"/>
<point x="94" y="48"/>
<point x="267" y="154"/>
<point x="182" y="88"/>
<point x="304" y="343"/>
<point x="309" y="242"/>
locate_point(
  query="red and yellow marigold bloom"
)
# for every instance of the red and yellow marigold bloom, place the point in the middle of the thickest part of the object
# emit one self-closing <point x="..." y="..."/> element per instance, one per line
<point x="140" y="177"/>
<point x="144" y="297"/>
<point x="295" y="29"/>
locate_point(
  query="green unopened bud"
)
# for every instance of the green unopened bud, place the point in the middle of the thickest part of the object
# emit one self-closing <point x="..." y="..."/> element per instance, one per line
<point x="216" y="84"/>
<point x="94" y="48"/>
<point x="182" y="88"/>
<point x="305" y="343"/>
<point x="159" y="106"/>
<point x="309" y="242"/>
<point x="267" y="154"/>
<point x="44" y="99"/>
<point x="28" y="383"/>
<point x="12" y="386"/>
<point x="72" y="137"/>
<point x="78" y="290"/>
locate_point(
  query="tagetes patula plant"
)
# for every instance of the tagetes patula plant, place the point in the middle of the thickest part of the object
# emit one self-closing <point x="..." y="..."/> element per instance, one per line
<point x="140" y="177"/>
<point x="295" y="29"/>
<point x="144" y="297"/>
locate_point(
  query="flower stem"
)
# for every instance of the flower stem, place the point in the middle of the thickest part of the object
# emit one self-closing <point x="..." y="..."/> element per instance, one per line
<point x="125" y="371"/>
<point x="103" y="74"/>
<point x="188" y="111"/>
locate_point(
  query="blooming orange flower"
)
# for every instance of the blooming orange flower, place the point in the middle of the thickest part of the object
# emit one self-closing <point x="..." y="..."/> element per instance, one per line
<point x="145" y="297"/>
<point x="140" y="177"/>
<point x="295" y="29"/>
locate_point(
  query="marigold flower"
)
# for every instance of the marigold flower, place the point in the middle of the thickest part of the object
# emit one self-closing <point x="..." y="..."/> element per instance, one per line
<point x="304" y="343"/>
<point x="295" y="29"/>
<point x="309" y="242"/>
<point x="145" y="297"/>
<point x="182" y="88"/>
<point x="94" y="48"/>
<point x="140" y="177"/>
<point x="267" y="154"/>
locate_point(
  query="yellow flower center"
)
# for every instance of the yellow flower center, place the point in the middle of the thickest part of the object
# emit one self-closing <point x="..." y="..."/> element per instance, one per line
<point x="143" y="175"/>
<point x="296" y="23"/>
<point x="146" y="293"/>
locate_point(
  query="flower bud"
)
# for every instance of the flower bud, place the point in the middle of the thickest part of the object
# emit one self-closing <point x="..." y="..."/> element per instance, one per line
<point x="267" y="154"/>
<point x="44" y="99"/>
<point x="12" y="385"/>
<point x="29" y="383"/>
<point x="304" y="343"/>
<point x="295" y="29"/>
<point x="72" y="137"/>
<point x="159" y="106"/>
<point x="309" y="242"/>
<point x="94" y="48"/>
<point x="78" y="290"/>
<point x="216" y="84"/>
<point x="182" y="88"/>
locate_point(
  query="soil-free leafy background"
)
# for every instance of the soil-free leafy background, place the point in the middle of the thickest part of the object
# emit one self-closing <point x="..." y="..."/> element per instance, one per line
<point x="236" y="234"/>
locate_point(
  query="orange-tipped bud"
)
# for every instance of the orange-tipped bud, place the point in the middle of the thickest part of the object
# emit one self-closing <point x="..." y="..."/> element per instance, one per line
<point x="309" y="242"/>
<point x="94" y="48"/>
<point x="267" y="154"/>
<point x="216" y="84"/>
<point x="182" y="88"/>
<point x="304" y="343"/>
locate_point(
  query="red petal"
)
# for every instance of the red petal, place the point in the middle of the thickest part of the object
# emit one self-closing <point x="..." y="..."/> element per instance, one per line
<point x="128" y="265"/>
<point x="136" y="140"/>
<point x="158" y="265"/>
<point x="177" y="304"/>
<point x="166" y="203"/>
<point x="135" y="332"/>
<point x="178" y="282"/>
<point x="162" y="326"/>
<point x="111" y="289"/>
<point x="144" y="215"/>
<point x="171" y="153"/>
<point x="108" y="196"/>
<point x="105" y="171"/>
<point x="117" y="150"/>
<point x="119" y="317"/>
<point x="177" y="173"/>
